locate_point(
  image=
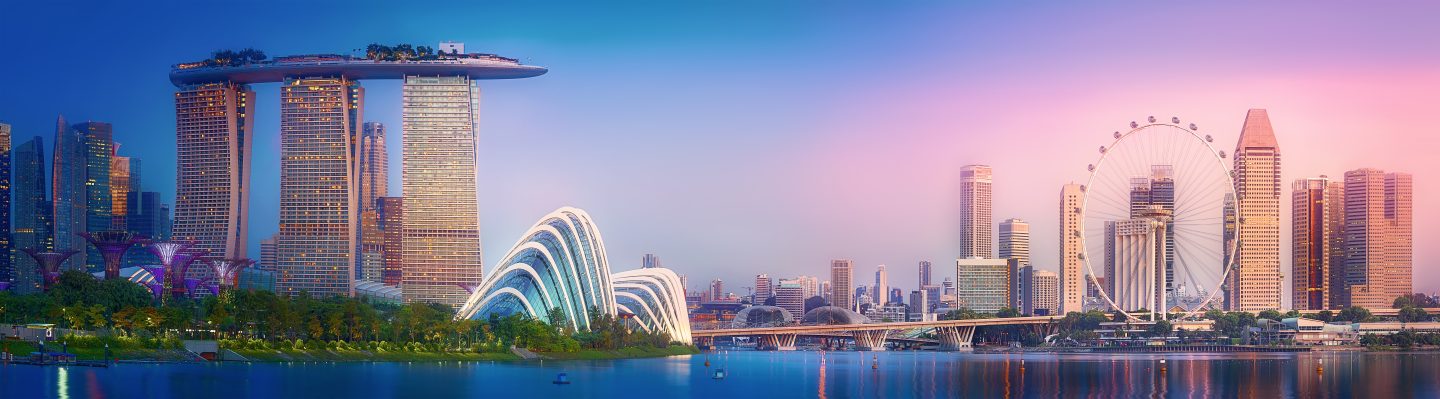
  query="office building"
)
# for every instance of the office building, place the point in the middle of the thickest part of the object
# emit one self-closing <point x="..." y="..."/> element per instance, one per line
<point x="650" y="261"/>
<point x="976" y="209"/>
<point x="1312" y="231"/>
<point x="1072" y="281"/>
<point x="809" y="286"/>
<point x="122" y="181"/>
<point x="789" y="295"/>
<point x="1157" y="191"/>
<point x="925" y="273"/>
<point x="97" y="143"/>
<point x="269" y="255"/>
<point x="841" y="274"/>
<point x="882" y="286"/>
<point x="1255" y="282"/>
<point x="319" y="124"/>
<point x="1020" y="290"/>
<point x="391" y="215"/>
<point x="7" y="262"/>
<point x="1015" y="241"/>
<point x="982" y="284"/>
<point x="31" y="209"/>
<point x="69" y="194"/>
<point x="146" y="216"/>
<point x="1378" y="237"/>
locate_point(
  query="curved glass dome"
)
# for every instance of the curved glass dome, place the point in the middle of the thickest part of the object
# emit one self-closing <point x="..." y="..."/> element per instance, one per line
<point x="762" y="316"/>
<point x="833" y="315"/>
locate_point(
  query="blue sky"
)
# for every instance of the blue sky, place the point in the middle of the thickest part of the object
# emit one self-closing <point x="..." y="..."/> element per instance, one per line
<point x="734" y="138"/>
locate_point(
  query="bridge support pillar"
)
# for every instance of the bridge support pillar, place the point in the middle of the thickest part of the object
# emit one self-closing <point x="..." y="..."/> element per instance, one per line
<point x="956" y="338"/>
<point x="775" y="342"/>
<point x="705" y="343"/>
<point x="873" y="340"/>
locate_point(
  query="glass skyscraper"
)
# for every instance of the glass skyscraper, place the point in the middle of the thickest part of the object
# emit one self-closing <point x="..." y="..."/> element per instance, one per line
<point x="98" y="147"/>
<point x="70" y="194"/>
<point x="441" y="236"/>
<point x="33" y="226"/>
<point x="7" y="271"/>
<point x="319" y="129"/>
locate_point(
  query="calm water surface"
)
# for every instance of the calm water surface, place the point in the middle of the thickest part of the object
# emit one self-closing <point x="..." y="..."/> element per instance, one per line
<point x="768" y="374"/>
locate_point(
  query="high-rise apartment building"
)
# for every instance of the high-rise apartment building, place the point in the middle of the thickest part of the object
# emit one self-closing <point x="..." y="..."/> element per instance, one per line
<point x="1312" y="232"/>
<point x="976" y="209"/>
<point x="391" y="215"/>
<point x="319" y="126"/>
<point x="1378" y="237"/>
<point x="32" y="229"/>
<point x="1072" y="281"/>
<point x="1255" y="281"/>
<point x="213" y="137"/>
<point x="982" y="284"/>
<point x="763" y="287"/>
<point x="1020" y="289"/>
<point x="841" y="277"/>
<point x="1044" y="293"/>
<point x="441" y="242"/>
<point x="1015" y="240"/>
<point x="717" y="290"/>
<point x="809" y="286"/>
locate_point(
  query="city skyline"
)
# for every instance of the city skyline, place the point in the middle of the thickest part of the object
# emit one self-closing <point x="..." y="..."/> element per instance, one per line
<point x="887" y="182"/>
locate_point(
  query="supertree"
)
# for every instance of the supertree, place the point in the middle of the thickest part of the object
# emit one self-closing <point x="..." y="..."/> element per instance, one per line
<point x="227" y="271"/>
<point x="180" y="267"/>
<point x="112" y="245"/>
<point x="168" y="252"/>
<point x="48" y="263"/>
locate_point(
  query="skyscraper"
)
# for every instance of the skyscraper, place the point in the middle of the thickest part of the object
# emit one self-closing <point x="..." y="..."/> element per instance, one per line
<point x="119" y="187"/>
<point x="1157" y="190"/>
<point x="976" y="223"/>
<point x="99" y="146"/>
<point x="1015" y="240"/>
<point x="441" y="242"/>
<point x="33" y="227"/>
<point x="145" y="215"/>
<point x="319" y="126"/>
<point x="1072" y="284"/>
<point x="269" y="254"/>
<point x="213" y="136"/>
<point x="1256" y="278"/>
<point x="391" y="214"/>
<point x="789" y="295"/>
<point x="925" y="273"/>
<point x="1378" y="240"/>
<point x="7" y="271"/>
<point x="842" y="284"/>
<point x="374" y="172"/>
<point x="1020" y="289"/>
<point x="650" y="261"/>
<point x="882" y="286"/>
<point x="1311" y="230"/>
<point x="69" y="197"/>
<point x="763" y="289"/>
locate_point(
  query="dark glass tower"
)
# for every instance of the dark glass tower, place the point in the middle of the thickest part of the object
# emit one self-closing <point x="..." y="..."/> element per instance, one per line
<point x="98" y="146"/>
<point x="69" y="193"/>
<point x="33" y="226"/>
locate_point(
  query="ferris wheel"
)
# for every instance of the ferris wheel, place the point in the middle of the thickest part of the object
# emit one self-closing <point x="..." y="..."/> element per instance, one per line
<point x="1157" y="221"/>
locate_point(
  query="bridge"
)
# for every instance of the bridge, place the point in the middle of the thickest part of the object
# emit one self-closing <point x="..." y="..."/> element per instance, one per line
<point x="953" y="334"/>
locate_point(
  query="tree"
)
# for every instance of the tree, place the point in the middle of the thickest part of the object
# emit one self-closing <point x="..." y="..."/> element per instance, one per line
<point x="1007" y="312"/>
<point x="1416" y="300"/>
<point x="1411" y="314"/>
<point x="1271" y="314"/>
<point x="1354" y="314"/>
<point x="1161" y="328"/>
<point x="963" y="314"/>
<point x="1325" y="316"/>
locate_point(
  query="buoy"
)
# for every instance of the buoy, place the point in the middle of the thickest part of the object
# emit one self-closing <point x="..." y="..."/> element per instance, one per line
<point x="1162" y="365"/>
<point x="1022" y="364"/>
<point x="707" y="361"/>
<point x="875" y="362"/>
<point x="562" y="379"/>
<point x="1320" y="369"/>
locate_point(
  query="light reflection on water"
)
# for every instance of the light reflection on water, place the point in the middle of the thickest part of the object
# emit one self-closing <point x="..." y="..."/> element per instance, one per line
<point x="771" y="374"/>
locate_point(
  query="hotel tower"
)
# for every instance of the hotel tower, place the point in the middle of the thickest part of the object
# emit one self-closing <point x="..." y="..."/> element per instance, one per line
<point x="1255" y="282"/>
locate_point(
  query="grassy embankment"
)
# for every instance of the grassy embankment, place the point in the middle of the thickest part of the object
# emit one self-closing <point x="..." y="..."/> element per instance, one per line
<point x="331" y="355"/>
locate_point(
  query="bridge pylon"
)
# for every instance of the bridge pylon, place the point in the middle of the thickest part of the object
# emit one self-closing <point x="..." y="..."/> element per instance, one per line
<point x="775" y="342"/>
<point x="956" y="338"/>
<point x="870" y="340"/>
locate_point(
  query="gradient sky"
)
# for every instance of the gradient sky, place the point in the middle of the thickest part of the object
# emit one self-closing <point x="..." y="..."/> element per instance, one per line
<point x="735" y="138"/>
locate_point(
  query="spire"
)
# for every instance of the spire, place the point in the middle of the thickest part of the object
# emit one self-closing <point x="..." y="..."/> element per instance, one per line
<point x="1257" y="132"/>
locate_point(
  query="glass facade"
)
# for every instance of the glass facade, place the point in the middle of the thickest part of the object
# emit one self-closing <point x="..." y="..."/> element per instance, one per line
<point x="213" y="140"/>
<point x="69" y="197"/>
<point x="441" y="236"/>
<point x="32" y="213"/>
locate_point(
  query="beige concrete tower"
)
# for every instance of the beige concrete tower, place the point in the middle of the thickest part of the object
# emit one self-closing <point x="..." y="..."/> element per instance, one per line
<point x="319" y="130"/>
<point x="977" y="224"/>
<point x="842" y="289"/>
<point x="1255" y="281"/>
<point x="213" y="136"/>
<point x="1072" y="283"/>
<point x="1015" y="240"/>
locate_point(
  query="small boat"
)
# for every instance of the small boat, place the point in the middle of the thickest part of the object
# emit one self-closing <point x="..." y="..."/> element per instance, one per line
<point x="719" y="374"/>
<point x="562" y="379"/>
